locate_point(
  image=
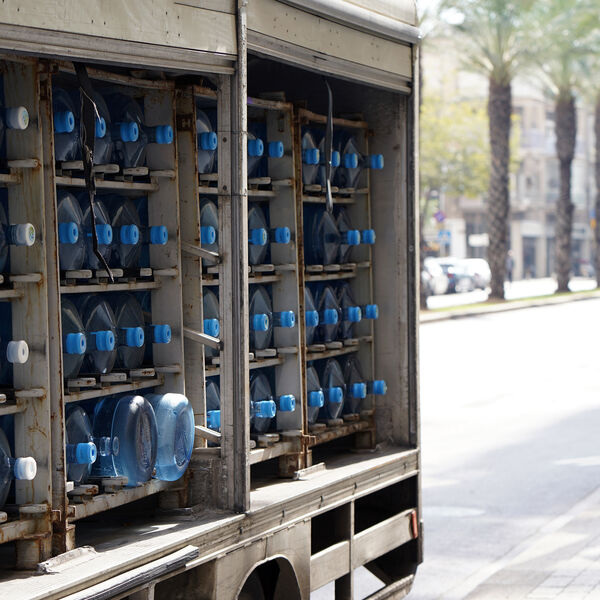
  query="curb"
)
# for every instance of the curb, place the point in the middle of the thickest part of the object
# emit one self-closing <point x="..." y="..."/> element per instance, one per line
<point x="460" y="313"/>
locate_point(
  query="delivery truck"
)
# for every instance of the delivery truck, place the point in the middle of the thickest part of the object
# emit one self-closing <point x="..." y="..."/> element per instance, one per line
<point x="208" y="299"/>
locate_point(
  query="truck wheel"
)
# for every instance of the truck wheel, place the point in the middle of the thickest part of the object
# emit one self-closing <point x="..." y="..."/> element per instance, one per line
<point x="252" y="589"/>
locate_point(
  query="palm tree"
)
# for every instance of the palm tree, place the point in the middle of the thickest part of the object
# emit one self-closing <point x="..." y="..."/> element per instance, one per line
<point x="496" y="44"/>
<point x="566" y="28"/>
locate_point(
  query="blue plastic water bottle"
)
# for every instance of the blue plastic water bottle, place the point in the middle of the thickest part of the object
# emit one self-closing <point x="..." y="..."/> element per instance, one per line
<point x="315" y="397"/>
<point x="130" y="136"/>
<point x="353" y="162"/>
<point x="73" y="339"/>
<point x="349" y="236"/>
<point x="351" y="312"/>
<point x="263" y="319"/>
<point x="260" y="149"/>
<point x="81" y="452"/>
<point x="310" y="158"/>
<point x="101" y="336"/>
<point x="150" y="235"/>
<point x="260" y="235"/>
<point x="356" y="385"/>
<point x="211" y="316"/>
<point x="103" y="231"/>
<point x="126" y="229"/>
<point x="11" y="117"/>
<point x="322" y="237"/>
<point x="125" y="434"/>
<point x="262" y="404"/>
<point x="207" y="141"/>
<point x="11" y="468"/>
<point x="213" y="404"/>
<point x="12" y="352"/>
<point x="209" y="225"/>
<point x="71" y="236"/>
<point x="335" y="163"/>
<point x="311" y="316"/>
<point x="329" y="313"/>
<point x="334" y="389"/>
<point x="175" y="424"/>
<point x="21" y="234"/>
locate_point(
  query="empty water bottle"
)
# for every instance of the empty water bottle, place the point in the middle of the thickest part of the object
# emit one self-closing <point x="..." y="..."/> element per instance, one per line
<point x="311" y="316"/>
<point x="358" y="386"/>
<point x="20" y="234"/>
<point x="207" y="142"/>
<point x="71" y="237"/>
<point x="315" y="397"/>
<point x="210" y="306"/>
<point x="11" y="468"/>
<point x="349" y="237"/>
<point x="334" y="389"/>
<point x="329" y="313"/>
<point x="262" y="404"/>
<point x="81" y="452"/>
<point x="263" y="319"/>
<point x="12" y="352"/>
<point x="175" y="424"/>
<point x="100" y="334"/>
<point x="11" y="117"/>
<point x="213" y="404"/>
<point x="335" y="163"/>
<point x="259" y="150"/>
<point x="350" y="311"/>
<point x="130" y="136"/>
<point x="260" y="235"/>
<point x="322" y="237"/>
<point x="73" y="339"/>
<point x="131" y="337"/>
<point x="352" y="160"/>
<point x="125" y="434"/>
<point x="209" y="225"/>
<point x="310" y="158"/>
<point x="103" y="232"/>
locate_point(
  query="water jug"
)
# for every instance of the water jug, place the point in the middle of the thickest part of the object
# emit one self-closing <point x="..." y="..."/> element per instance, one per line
<point x="350" y="237"/>
<point x="101" y="336"/>
<point x="11" y="117"/>
<point x="175" y="424"/>
<point x="322" y="237"/>
<point x="335" y="163"/>
<point x="257" y="157"/>
<point x="209" y="225"/>
<point x="125" y="434"/>
<point x="103" y="232"/>
<point x="155" y="235"/>
<point x="12" y="352"/>
<point x="21" y="234"/>
<point x="262" y="404"/>
<point x="13" y="468"/>
<point x="315" y="397"/>
<point x="311" y="316"/>
<point x="73" y="339"/>
<point x="352" y="161"/>
<point x="310" y="158"/>
<point x="81" y="451"/>
<point x="329" y="313"/>
<point x="207" y="142"/>
<point x="263" y="319"/>
<point x="358" y="386"/>
<point x="260" y="235"/>
<point x="213" y="404"/>
<point x="211" y="316"/>
<point x="334" y="389"/>
<point x="350" y="311"/>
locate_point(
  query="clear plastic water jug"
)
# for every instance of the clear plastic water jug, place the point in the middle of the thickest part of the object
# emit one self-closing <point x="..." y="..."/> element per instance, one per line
<point x="322" y="237"/>
<point x="260" y="235"/>
<point x="71" y="236"/>
<point x="335" y="163"/>
<point x="73" y="339"/>
<point x="213" y="404"/>
<point x="329" y="313"/>
<point x="207" y="142"/>
<point x="150" y="235"/>
<point x="358" y="386"/>
<point x="259" y="149"/>
<point x="263" y="319"/>
<point x="11" y="468"/>
<point x="315" y="397"/>
<point x="211" y="317"/>
<point x="101" y="336"/>
<point x="125" y="434"/>
<point x="310" y="158"/>
<point x="103" y="232"/>
<point x="11" y="117"/>
<point x="262" y="404"/>
<point x="334" y="389"/>
<point x="11" y="234"/>
<point x="350" y="311"/>
<point x="175" y="424"/>
<point x="12" y="352"/>
<point x="81" y="452"/>
<point x="352" y="161"/>
<point x="311" y="316"/>
<point x="209" y="225"/>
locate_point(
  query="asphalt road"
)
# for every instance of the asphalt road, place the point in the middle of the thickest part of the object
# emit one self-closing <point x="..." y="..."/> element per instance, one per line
<point x="510" y="414"/>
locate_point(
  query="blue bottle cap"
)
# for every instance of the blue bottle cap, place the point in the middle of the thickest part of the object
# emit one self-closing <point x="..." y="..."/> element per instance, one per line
<point x="258" y="237"/>
<point x="100" y="127"/>
<point x="134" y="337"/>
<point x="129" y="234"/>
<point x="312" y="318"/>
<point x="367" y="236"/>
<point x="256" y="148"/>
<point x="161" y="334"/>
<point x="310" y="156"/>
<point x="129" y="131"/>
<point x="371" y="311"/>
<point x="335" y="395"/>
<point x="358" y="390"/>
<point x="75" y="343"/>
<point x="379" y="387"/>
<point x="64" y="122"/>
<point x="159" y="235"/>
<point x="105" y="340"/>
<point x="287" y="403"/>
<point x="330" y="316"/>
<point x="335" y="158"/>
<point x="282" y="235"/>
<point x="163" y="134"/>
<point x="352" y="237"/>
<point x="264" y="409"/>
<point x="287" y="318"/>
<point x="68" y="233"/>
<point x="208" y="140"/>
<point x="376" y="161"/>
<point x="353" y="314"/>
<point x="208" y="234"/>
<point x="260" y="322"/>
<point x="213" y="419"/>
<point x="275" y="149"/>
<point x="316" y="398"/>
<point x="104" y="233"/>
<point x="212" y="327"/>
<point x="86" y="453"/>
<point x="351" y="160"/>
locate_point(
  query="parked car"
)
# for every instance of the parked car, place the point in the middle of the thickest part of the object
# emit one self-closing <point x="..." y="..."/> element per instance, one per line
<point x="479" y="269"/>
<point x="433" y="277"/>
<point x="457" y="274"/>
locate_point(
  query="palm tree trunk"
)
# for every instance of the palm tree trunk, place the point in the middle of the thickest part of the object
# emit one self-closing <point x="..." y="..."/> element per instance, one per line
<point x="499" y="110"/>
<point x="566" y="134"/>
<point x="597" y="171"/>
